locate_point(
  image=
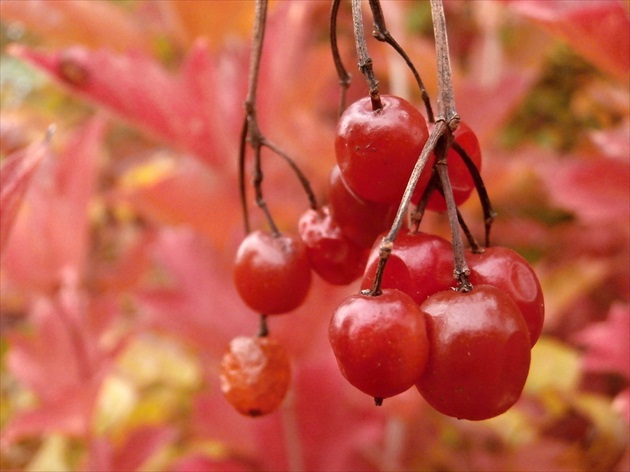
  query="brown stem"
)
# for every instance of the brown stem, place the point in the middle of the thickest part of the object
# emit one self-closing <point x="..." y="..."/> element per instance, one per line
<point x="306" y="185"/>
<point x="241" y="175"/>
<point x="263" y="328"/>
<point x="251" y="132"/>
<point x="418" y="212"/>
<point x="461" y="270"/>
<point x="342" y="73"/>
<point x="446" y="96"/>
<point x="489" y="214"/>
<point x="381" y="33"/>
<point x="386" y="246"/>
<point x="365" y="62"/>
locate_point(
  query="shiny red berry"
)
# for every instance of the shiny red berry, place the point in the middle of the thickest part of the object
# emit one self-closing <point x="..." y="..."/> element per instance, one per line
<point x="331" y="255"/>
<point x="377" y="149"/>
<point x="420" y="264"/>
<point x="511" y="273"/>
<point x="380" y="342"/>
<point x="272" y="272"/>
<point x="360" y="220"/>
<point x="480" y="353"/>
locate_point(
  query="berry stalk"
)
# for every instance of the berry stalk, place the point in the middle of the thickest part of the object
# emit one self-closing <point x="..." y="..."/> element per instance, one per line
<point x="342" y="73"/>
<point x="365" y="61"/>
<point x="381" y="33"/>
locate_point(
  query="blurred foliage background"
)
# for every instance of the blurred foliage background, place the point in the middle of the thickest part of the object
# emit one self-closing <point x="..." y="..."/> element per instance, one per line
<point x="119" y="228"/>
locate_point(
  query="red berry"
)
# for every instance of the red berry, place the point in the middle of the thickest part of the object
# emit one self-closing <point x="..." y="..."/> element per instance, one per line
<point x="255" y="375"/>
<point x="480" y="353"/>
<point x="361" y="221"/>
<point x="271" y="272"/>
<point x="512" y="274"/>
<point x="459" y="175"/>
<point x="330" y="253"/>
<point x="377" y="149"/>
<point x="380" y="342"/>
<point x="420" y="264"/>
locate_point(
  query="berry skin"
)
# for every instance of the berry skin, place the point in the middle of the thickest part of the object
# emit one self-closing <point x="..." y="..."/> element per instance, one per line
<point x="460" y="178"/>
<point x="377" y="149"/>
<point x="271" y="272"/>
<point x="420" y="264"/>
<point x="330" y="253"/>
<point x="255" y="375"/>
<point x="480" y="353"/>
<point x="512" y="274"/>
<point x="360" y="220"/>
<point x="380" y="342"/>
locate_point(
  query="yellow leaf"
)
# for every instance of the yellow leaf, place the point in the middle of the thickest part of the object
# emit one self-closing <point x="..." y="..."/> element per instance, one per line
<point x="555" y="367"/>
<point x="51" y="456"/>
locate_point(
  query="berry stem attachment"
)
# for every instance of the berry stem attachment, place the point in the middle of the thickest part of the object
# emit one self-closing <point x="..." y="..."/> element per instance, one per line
<point x="342" y="73"/>
<point x="381" y="33"/>
<point x="263" y="329"/>
<point x="365" y="61"/>
<point x="461" y="271"/>
<point x="446" y="96"/>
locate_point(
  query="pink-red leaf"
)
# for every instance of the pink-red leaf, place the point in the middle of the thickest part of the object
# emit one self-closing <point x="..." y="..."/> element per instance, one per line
<point x="16" y="174"/>
<point x="596" y="29"/>
<point x="179" y="108"/>
<point x="608" y="349"/>
<point x="58" y="203"/>
<point x="595" y="190"/>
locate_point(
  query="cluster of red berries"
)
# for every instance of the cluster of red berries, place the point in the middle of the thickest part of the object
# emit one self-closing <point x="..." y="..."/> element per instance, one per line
<point x="467" y="350"/>
<point x="465" y="347"/>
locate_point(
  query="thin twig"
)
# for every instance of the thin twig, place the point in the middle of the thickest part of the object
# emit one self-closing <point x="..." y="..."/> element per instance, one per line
<point x="461" y="271"/>
<point x="440" y="139"/>
<point x="448" y="113"/>
<point x="365" y="61"/>
<point x="489" y="214"/>
<point x="251" y="132"/>
<point x="446" y="96"/>
<point x="381" y="33"/>
<point x="306" y="185"/>
<point x="387" y="243"/>
<point x="342" y="73"/>
<point x="241" y="175"/>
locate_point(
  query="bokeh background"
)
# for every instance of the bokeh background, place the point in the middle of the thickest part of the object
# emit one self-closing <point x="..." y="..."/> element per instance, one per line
<point x="119" y="129"/>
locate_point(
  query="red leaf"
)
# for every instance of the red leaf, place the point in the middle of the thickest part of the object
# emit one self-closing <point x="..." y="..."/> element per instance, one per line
<point x="61" y="361"/>
<point x="58" y="208"/>
<point x="69" y="412"/>
<point x="596" y="29"/>
<point x="608" y="349"/>
<point x="201" y="463"/>
<point x="596" y="190"/>
<point x="16" y="174"/>
<point x="138" y="447"/>
<point x="182" y="109"/>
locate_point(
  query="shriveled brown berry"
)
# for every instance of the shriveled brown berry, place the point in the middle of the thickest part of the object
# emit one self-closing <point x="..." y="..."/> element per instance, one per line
<point x="255" y="374"/>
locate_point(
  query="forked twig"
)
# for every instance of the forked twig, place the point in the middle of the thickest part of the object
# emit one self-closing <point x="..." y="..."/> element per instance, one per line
<point x="251" y="133"/>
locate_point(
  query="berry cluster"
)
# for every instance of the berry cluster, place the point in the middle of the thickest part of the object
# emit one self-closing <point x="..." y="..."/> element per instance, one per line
<point x="466" y="347"/>
<point x="456" y="323"/>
